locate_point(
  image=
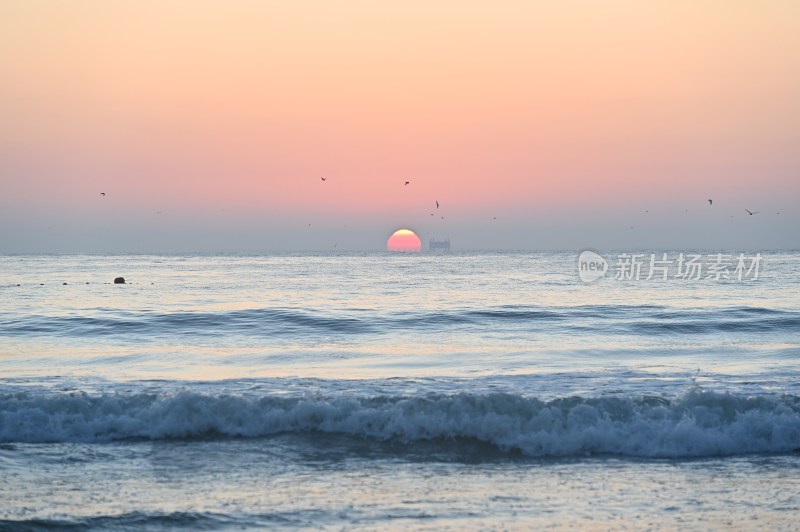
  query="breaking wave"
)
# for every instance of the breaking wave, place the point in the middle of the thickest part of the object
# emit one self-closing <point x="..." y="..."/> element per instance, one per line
<point x="698" y="424"/>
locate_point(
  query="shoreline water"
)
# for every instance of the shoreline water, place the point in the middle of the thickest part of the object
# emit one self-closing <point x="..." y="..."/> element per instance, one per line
<point x="381" y="392"/>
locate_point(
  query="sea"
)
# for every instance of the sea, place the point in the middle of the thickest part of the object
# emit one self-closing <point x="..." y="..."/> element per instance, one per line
<point x="405" y="391"/>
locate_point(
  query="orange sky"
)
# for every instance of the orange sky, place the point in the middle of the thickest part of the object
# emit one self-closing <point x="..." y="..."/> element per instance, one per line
<point x="225" y="115"/>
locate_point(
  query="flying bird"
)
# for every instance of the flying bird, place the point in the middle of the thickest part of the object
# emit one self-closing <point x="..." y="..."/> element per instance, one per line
<point x="408" y="182"/>
<point x="102" y="193"/>
<point x="751" y="213"/>
<point x="322" y="178"/>
<point x="437" y="204"/>
<point x="710" y="202"/>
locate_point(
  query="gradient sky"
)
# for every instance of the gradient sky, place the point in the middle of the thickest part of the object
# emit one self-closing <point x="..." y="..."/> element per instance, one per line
<point x="208" y="124"/>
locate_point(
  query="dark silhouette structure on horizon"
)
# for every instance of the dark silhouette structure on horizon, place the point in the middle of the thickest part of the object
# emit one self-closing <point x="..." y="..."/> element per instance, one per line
<point x="439" y="245"/>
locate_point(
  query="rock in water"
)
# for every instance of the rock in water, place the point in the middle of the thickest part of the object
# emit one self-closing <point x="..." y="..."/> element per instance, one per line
<point x="119" y="280"/>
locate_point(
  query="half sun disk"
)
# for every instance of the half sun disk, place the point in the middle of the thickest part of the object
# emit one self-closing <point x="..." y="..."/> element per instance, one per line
<point x="404" y="240"/>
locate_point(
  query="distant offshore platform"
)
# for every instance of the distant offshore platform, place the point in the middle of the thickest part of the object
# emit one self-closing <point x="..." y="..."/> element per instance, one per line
<point x="439" y="245"/>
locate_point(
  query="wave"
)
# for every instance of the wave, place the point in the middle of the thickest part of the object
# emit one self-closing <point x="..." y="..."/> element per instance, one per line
<point x="255" y="321"/>
<point x="697" y="424"/>
<point x="158" y="521"/>
<point x="636" y="320"/>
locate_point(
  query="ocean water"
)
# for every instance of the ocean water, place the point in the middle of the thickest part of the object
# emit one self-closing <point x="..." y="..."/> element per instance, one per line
<point x="384" y="391"/>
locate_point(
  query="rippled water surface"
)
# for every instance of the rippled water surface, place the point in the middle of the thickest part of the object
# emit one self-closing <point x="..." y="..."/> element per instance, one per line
<point x="394" y="391"/>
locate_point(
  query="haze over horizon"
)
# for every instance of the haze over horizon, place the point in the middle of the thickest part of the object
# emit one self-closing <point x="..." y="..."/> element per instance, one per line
<point x="536" y="126"/>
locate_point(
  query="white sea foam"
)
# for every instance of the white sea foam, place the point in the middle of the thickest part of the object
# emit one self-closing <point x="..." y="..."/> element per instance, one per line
<point x="700" y="423"/>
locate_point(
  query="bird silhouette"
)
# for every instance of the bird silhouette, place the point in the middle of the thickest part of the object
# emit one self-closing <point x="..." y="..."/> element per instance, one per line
<point x="437" y="204"/>
<point x="323" y="178"/>
<point x="710" y="202"/>
<point x="102" y="193"/>
<point x="407" y="182"/>
<point x="751" y="213"/>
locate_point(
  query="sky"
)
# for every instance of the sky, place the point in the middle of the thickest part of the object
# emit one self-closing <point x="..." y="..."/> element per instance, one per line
<point x="536" y="125"/>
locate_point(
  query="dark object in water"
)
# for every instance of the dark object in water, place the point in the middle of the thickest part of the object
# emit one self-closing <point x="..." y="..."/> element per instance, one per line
<point x="119" y="280"/>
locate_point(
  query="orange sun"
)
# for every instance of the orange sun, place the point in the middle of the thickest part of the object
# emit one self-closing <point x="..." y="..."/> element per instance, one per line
<point x="404" y="240"/>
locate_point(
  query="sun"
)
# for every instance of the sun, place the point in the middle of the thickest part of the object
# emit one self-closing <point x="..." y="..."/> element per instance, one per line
<point x="404" y="240"/>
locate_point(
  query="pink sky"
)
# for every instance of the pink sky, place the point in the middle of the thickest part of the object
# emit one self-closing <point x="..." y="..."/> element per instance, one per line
<point x="209" y="124"/>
